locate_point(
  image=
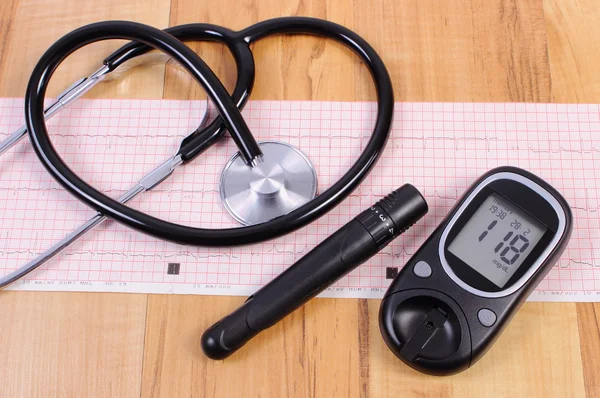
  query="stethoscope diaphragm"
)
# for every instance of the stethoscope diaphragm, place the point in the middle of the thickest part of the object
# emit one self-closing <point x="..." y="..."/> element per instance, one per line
<point x="279" y="182"/>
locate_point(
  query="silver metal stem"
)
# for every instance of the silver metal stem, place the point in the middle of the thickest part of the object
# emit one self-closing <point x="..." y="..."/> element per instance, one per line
<point x="148" y="182"/>
<point x="12" y="139"/>
<point x="256" y="161"/>
<point x="76" y="90"/>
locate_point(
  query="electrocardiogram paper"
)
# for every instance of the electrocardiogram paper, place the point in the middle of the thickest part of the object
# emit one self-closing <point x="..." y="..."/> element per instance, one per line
<point x="441" y="148"/>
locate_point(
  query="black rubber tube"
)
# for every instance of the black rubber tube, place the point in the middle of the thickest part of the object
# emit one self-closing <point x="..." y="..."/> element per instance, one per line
<point x="158" y="39"/>
<point x="203" y="138"/>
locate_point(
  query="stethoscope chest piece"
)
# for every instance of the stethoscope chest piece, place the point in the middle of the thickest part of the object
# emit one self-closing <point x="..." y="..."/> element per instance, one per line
<point x="276" y="184"/>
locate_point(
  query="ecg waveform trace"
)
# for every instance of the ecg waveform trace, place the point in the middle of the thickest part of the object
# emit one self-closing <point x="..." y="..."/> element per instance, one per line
<point x="441" y="148"/>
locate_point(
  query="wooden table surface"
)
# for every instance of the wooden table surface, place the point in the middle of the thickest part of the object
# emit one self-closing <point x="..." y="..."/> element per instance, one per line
<point x="99" y="344"/>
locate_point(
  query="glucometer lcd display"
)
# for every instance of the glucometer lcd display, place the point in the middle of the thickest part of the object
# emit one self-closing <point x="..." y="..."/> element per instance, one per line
<point x="497" y="239"/>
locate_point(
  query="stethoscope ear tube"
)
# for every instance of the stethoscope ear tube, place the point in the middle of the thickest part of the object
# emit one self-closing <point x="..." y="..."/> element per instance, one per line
<point x="190" y="61"/>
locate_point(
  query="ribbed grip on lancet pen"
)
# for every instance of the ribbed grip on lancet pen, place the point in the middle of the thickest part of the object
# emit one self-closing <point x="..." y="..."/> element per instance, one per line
<point x="340" y="253"/>
<point x="393" y="214"/>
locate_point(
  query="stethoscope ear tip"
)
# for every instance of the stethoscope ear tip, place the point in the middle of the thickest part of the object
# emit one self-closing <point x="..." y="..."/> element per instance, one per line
<point x="276" y="184"/>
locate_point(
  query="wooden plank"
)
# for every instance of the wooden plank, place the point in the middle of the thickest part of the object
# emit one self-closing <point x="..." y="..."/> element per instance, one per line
<point x="573" y="35"/>
<point x="7" y="10"/>
<point x="460" y="51"/>
<point x="34" y="25"/>
<point x="588" y="315"/>
<point x="524" y="361"/>
<point x="299" y="357"/>
<point x="572" y="31"/>
<point x="71" y="344"/>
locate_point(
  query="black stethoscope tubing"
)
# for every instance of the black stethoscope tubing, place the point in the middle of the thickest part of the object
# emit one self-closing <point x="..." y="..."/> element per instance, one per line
<point x="230" y="115"/>
<point x="203" y="138"/>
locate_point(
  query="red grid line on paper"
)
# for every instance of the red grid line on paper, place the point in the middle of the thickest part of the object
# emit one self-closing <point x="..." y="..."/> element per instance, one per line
<point x="439" y="147"/>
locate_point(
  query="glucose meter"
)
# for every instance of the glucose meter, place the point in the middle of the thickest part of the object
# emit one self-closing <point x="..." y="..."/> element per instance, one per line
<point x="461" y="288"/>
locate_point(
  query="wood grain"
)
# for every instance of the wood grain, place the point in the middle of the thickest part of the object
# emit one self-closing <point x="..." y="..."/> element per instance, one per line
<point x="33" y="25"/>
<point x="71" y="344"/>
<point x="588" y="316"/>
<point x="573" y="42"/>
<point x="458" y="50"/>
<point x="476" y="50"/>
<point x="299" y="357"/>
<point x="573" y="34"/>
<point x="6" y="14"/>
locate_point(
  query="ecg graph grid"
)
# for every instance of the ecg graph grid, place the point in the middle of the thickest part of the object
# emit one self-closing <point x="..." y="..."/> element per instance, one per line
<point x="441" y="148"/>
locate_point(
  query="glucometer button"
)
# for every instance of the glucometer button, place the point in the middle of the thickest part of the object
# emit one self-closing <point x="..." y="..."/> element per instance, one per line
<point x="422" y="269"/>
<point x="486" y="317"/>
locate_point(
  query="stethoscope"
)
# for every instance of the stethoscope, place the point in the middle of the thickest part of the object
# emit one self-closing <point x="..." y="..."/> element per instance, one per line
<point x="270" y="187"/>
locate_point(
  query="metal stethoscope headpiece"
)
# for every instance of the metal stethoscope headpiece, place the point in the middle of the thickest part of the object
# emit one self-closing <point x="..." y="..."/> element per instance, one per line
<point x="278" y="178"/>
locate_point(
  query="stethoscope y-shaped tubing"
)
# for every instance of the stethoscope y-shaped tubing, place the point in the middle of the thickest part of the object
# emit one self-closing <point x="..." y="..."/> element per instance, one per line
<point x="189" y="60"/>
<point x="195" y="142"/>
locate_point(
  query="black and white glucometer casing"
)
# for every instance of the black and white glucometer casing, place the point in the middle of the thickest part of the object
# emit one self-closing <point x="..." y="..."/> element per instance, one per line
<point x="461" y="288"/>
